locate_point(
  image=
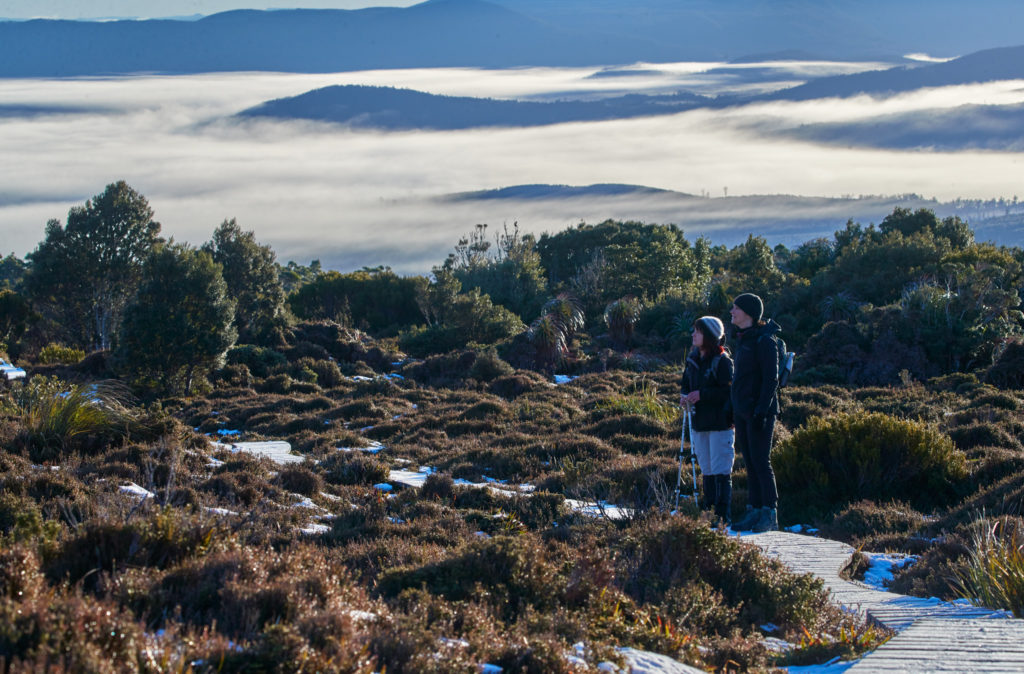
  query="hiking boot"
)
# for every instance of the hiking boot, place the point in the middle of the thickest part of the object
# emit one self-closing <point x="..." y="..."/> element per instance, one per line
<point x="710" y="492"/>
<point x="747" y="522"/>
<point x="769" y="521"/>
<point x="723" y="504"/>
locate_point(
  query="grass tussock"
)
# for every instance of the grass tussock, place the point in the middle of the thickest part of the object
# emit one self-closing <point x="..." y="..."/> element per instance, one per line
<point x="993" y="575"/>
<point x="57" y="416"/>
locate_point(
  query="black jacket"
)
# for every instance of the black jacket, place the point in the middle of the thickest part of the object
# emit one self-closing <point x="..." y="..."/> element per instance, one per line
<point x="755" y="382"/>
<point x="713" y="411"/>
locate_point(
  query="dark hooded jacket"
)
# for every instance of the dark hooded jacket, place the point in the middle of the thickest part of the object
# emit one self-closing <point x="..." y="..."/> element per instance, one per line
<point x="713" y="411"/>
<point x="755" y="380"/>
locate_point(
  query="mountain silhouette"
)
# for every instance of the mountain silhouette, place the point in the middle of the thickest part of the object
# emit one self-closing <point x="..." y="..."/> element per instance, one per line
<point x="503" y="33"/>
<point x="1006" y="63"/>
<point x="396" y="109"/>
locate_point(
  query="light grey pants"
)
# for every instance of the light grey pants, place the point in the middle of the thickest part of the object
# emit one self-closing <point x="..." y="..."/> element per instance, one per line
<point x="714" y="450"/>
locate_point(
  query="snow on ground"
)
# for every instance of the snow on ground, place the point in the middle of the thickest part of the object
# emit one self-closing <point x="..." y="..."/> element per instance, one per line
<point x="643" y="662"/>
<point x="374" y="448"/>
<point x="833" y="666"/>
<point x="278" y="451"/>
<point x="315" y="529"/>
<point x="220" y="511"/>
<point x="563" y="378"/>
<point x="10" y="372"/>
<point x="883" y="565"/>
<point x="135" y="490"/>
<point x="598" y="509"/>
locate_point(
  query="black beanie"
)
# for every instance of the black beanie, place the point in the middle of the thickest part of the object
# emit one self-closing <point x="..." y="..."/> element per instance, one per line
<point x="751" y="305"/>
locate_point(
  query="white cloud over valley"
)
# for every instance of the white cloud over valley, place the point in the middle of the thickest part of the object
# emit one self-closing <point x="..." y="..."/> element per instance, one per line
<point x="362" y="197"/>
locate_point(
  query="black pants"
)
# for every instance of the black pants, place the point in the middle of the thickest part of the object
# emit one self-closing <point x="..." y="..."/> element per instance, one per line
<point x="755" y="444"/>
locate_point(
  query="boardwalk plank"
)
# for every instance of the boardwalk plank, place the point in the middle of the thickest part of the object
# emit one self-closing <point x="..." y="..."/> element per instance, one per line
<point x="933" y="635"/>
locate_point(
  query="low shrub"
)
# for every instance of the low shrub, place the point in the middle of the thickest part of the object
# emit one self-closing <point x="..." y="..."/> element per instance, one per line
<point x="354" y="468"/>
<point x="438" y="486"/>
<point x="983" y="434"/>
<point x="670" y="552"/>
<point x="300" y="480"/>
<point x="515" y="573"/>
<point x="58" y="353"/>
<point x="261" y="361"/>
<point x="628" y="424"/>
<point x="867" y="518"/>
<point x="1007" y="372"/>
<point x="161" y="539"/>
<point x="832" y="462"/>
<point x="21" y="576"/>
<point x="488" y="366"/>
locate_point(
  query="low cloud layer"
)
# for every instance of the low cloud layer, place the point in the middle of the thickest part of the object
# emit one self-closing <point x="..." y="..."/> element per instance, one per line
<point x="352" y="198"/>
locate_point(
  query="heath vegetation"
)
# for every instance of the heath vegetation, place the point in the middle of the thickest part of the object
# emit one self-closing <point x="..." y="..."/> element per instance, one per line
<point x="134" y="537"/>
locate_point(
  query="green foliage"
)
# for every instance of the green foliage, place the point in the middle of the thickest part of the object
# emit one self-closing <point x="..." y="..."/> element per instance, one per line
<point x="994" y="573"/>
<point x="488" y="366"/>
<point x="261" y="361"/>
<point x="293" y="275"/>
<point x="1007" y="372"/>
<point x="513" y="277"/>
<point x="613" y="259"/>
<point x="251" y="275"/>
<point x="473" y="319"/>
<point x="83" y="274"/>
<point x="179" y="326"/>
<point x="620" y="317"/>
<point x="850" y="457"/>
<point x="15" y="315"/>
<point x="12" y="272"/>
<point x="58" y="353"/>
<point x="376" y="299"/>
<point x="643" y="401"/>
<point x="57" y="417"/>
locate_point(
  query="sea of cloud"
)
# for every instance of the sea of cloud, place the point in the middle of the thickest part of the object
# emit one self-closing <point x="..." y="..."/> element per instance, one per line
<point x="352" y="198"/>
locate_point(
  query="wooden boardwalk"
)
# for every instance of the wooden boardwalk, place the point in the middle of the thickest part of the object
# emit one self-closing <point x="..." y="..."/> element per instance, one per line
<point x="933" y="635"/>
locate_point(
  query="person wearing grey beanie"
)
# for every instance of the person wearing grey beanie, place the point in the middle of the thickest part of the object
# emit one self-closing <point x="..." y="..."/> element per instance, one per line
<point x="707" y="379"/>
<point x="755" y="405"/>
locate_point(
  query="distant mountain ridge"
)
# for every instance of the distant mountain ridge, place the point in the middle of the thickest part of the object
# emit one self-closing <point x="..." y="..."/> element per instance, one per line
<point x="400" y="109"/>
<point x="1004" y="63"/>
<point x="501" y="33"/>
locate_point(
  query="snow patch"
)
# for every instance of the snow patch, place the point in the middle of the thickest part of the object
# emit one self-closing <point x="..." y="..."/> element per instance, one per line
<point x="220" y="511"/>
<point x="882" y="567"/>
<point x="374" y="448"/>
<point x="135" y="490"/>
<point x="599" y="509"/>
<point x="278" y="451"/>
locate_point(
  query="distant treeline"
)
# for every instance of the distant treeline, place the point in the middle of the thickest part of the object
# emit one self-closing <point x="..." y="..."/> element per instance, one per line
<point x="915" y="296"/>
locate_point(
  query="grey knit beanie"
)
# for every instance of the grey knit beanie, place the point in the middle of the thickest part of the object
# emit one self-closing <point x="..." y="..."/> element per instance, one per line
<point x="714" y="326"/>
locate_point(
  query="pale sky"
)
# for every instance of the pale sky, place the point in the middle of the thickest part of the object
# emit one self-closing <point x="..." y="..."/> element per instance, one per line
<point x="105" y="9"/>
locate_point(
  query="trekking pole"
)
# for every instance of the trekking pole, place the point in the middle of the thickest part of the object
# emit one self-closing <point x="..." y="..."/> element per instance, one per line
<point x="682" y="453"/>
<point x="693" y="456"/>
<point x="679" y="475"/>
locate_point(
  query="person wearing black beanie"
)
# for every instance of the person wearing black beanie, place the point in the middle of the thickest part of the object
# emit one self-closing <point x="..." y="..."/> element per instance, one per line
<point x="755" y="405"/>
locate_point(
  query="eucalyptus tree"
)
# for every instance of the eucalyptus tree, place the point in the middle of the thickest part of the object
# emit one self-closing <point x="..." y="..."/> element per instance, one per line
<point x="251" y="274"/>
<point x="180" y="323"/>
<point x="83" y="274"/>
